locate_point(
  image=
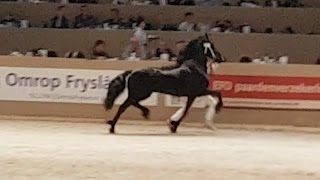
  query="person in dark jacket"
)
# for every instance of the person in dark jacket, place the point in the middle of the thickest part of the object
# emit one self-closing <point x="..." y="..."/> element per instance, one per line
<point x="60" y="20"/>
<point x="84" y="19"/>
<point x="98" y="51"/>
<point x="163" y="49"/>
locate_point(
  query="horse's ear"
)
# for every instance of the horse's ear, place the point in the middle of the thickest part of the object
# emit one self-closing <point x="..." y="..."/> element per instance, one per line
<point x="207" y="37"/>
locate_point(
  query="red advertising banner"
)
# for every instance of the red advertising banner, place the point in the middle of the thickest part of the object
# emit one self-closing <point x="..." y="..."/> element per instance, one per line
<point x="272" y="92"/>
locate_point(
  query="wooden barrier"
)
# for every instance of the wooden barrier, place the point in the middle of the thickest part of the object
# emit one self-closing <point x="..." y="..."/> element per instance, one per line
<point x="90" y="111"/>
<point x="303" y="49"/>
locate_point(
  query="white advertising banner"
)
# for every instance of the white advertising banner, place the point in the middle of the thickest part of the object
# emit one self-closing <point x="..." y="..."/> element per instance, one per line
<point x="60" y="85"/>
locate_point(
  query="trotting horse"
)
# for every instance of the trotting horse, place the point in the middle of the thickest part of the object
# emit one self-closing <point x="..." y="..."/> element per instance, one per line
<point x="187" y="78"/>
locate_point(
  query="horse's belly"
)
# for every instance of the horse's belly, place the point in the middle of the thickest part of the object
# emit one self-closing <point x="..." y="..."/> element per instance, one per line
<point x="181" y="86"/>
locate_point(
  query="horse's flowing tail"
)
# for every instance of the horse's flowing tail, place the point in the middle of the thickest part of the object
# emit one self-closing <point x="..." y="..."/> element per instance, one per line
<point x="116" y="87"/>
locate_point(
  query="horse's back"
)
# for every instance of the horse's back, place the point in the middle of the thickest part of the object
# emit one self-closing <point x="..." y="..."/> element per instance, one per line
<point x="181" y="81"/>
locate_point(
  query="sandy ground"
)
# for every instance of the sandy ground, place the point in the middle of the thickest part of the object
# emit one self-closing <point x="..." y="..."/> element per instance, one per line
<point x="34" y="150"/>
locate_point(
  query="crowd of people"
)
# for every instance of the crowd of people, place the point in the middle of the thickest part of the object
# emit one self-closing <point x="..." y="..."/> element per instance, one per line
<point x="134" y="51"/>
<point x="243" y="3"/>
<point x="87" y="19"/>
<point x="137" y="48"/>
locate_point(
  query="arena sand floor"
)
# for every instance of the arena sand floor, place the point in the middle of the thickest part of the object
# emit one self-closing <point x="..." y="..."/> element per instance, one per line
<point x="38" y="150"/>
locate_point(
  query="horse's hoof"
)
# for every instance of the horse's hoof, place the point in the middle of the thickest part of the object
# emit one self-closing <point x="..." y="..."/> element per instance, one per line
<point x="173" y="125"/>
<point x="210" y="125"/>
<point x="146" y="114"/>
<point x="111" y="130"/>
<point x="219" y="108"/>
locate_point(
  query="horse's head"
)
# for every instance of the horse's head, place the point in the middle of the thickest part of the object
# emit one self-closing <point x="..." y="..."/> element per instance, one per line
<point x="210" y="50"/>
<point x="200" y="50"/>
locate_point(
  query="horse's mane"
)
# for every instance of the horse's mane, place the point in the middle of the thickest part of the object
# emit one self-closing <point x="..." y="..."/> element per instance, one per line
<point x="186" y="54"/>
<point x="178" y="63"/>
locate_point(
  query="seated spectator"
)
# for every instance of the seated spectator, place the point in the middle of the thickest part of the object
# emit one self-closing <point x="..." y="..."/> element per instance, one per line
<point x="42" y="52"/>
<point x="245" y="59"/>
<point x="134" y="51"/>
<point x="98" y="51"/>
<point x="83" y="1"/>
<point x="84" y="19"/>
<point x="292" y="3"/>
<point x="182" y="2"/>
<point x="120" y="2"/>
<point x="272" y="3"/>
<point x="209" y="2"/>
<point x="248" y="3"/>
<point x="115" y="20"/>
<point x="60" y="20"/>
<point x="188" y="24"/>
<point x="223" y="26"/>
<point x="180" y="46"/>
<point x="268" y="30"/>
<point x="288" y="30"/>
<point x="10" y="21"/>
<point x="163" y="52"/>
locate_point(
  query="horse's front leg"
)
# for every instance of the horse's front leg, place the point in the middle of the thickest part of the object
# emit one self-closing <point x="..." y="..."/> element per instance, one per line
<point x="178" y="116"/>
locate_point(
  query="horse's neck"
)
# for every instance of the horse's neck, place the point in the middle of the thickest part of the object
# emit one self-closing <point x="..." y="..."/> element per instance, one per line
<point x="170" y="67"/>
<point x="193" y="62"/>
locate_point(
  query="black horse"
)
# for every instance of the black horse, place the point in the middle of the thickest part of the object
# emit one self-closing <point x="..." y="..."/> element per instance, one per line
<point x="187" y="78"/>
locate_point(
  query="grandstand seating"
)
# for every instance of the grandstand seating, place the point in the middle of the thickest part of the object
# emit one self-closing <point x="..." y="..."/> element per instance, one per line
<point x="301" y="47"/>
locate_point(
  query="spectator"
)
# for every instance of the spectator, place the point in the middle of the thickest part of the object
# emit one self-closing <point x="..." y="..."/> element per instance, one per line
<point x="120" y="2"/>
<point x="115" y="21"/>
<point x="139" y="33"/>
<point x="248" y="3"/>
<point x="245" y="59"/>
<point x="163" y="52"/>
<point x="292" y="3"/>
<point x="60" y="21"/>
<point x="187" y="2"/>
<point x="83" y="1"/>
<point x="209" y="2"/>
<point x="223" y="26"/>
<point x="182" y="2"/>
<point x="268" y="30"/>
<point x="180" y="46"/>
<point x="272" y="3"/>
<point x="288" y="30"/>
<point x="84" y="19"/>
<point x="10" y="21"/>
<point x="98" y="51"/>
<point x="188" y="23"/>
<point x="134" y="51"/>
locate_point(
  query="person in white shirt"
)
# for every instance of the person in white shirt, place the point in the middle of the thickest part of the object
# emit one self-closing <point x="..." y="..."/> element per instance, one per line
<point x="188" y="23"/>
<point x="139" y="33"/>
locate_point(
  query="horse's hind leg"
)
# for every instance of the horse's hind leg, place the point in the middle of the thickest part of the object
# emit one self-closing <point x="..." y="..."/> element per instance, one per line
<point x="213" y="93"/>
<point x="176" y="118"/>
<point x="121" y="110"/>
<point x="145" y="111"/>
<point x="213" y="106"/>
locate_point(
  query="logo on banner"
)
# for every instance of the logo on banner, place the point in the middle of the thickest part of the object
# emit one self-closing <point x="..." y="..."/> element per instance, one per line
<point x="60" y="85"/>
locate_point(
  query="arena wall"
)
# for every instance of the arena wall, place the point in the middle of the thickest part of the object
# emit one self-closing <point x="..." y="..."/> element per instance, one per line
<point x="303" y="49"/>
<point x="92" y="112"/>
